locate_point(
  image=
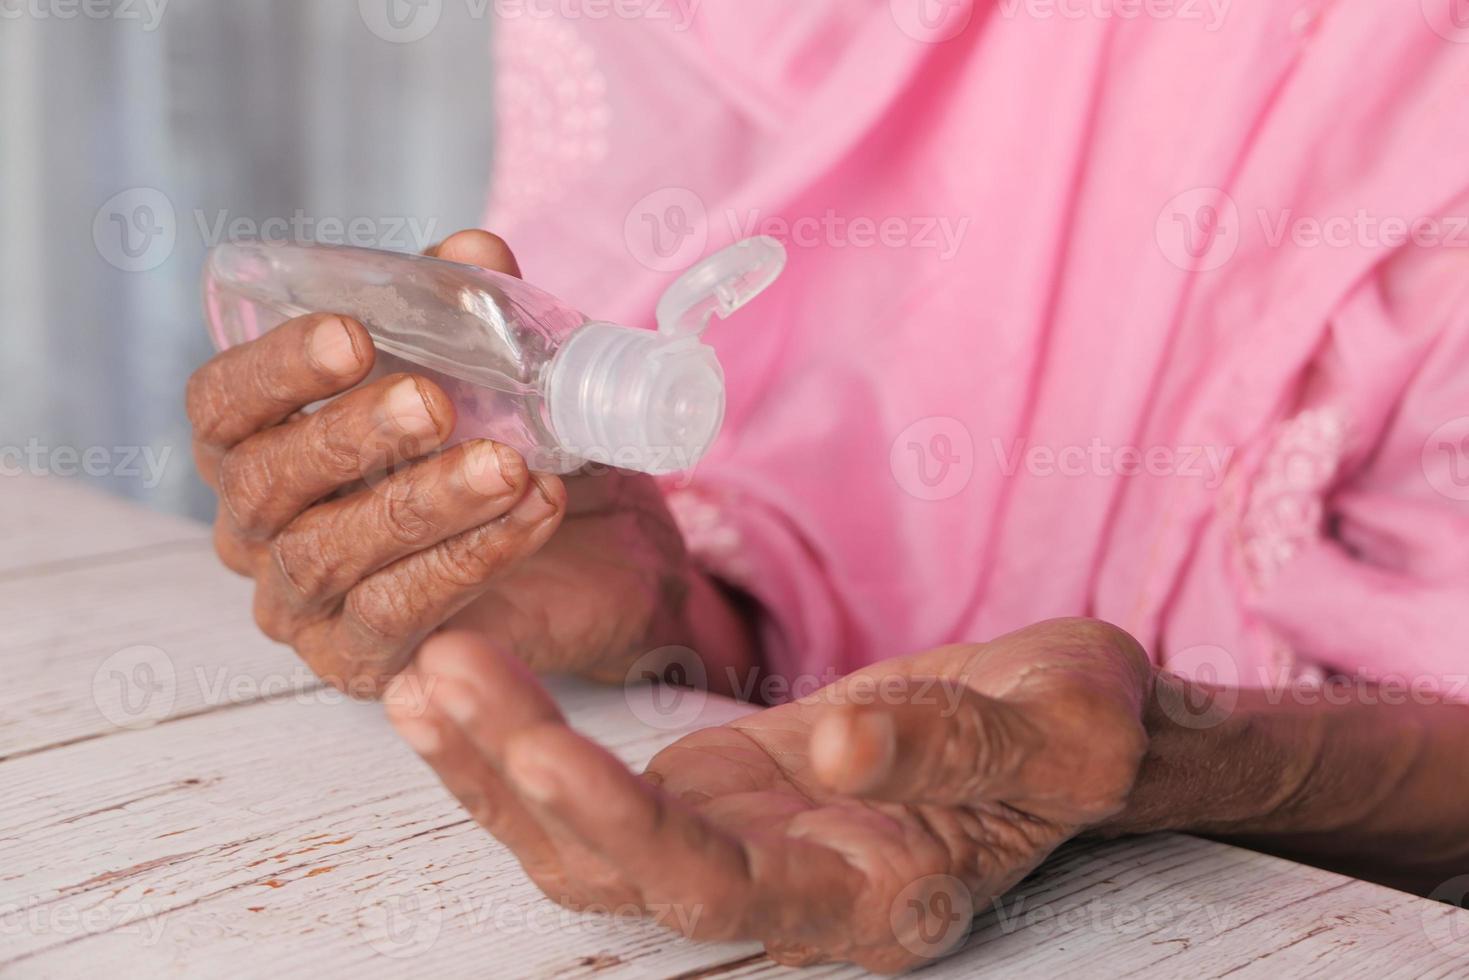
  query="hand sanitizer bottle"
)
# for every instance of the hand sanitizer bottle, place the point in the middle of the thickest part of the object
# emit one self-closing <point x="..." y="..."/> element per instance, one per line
<point x="522" y="367"/>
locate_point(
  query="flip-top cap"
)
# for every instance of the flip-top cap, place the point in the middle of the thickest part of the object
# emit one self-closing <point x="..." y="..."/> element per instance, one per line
<point x="654" y="402"/>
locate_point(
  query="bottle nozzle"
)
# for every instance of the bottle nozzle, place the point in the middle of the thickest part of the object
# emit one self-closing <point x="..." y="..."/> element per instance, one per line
<point x="654" y="402"/>
<point x="719" y="285"/>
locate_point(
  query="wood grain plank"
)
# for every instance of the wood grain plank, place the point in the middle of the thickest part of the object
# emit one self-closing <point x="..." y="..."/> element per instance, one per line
<point x="287" y="831"/>
<point x="1176" y="906"/>
<point x="296" y="837"/>
<point x="49" y="521"/>
<point x="129" y="640"/>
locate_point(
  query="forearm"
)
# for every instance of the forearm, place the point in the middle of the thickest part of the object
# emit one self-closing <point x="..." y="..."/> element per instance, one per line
<point x="1375" y="789"/>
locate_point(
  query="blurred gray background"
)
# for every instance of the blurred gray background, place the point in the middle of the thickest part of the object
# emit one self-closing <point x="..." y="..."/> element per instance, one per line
<point x="131" y="141"/>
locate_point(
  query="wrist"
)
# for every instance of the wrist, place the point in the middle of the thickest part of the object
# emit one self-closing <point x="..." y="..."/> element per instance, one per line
<point x="1219" y="761"/>
<point x="695" y="612"/>
<point x="719" y="625"/>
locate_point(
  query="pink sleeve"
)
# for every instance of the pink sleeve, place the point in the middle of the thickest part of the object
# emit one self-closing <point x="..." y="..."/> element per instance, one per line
<point x="1383" y="591"/>
<point x="751" y="546"/>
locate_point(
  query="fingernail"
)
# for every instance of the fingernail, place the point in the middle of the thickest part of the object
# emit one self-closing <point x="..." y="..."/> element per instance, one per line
<point x="536" y="505"/>
<point x="421" y="736"/>
<point x="484" y="471"/>
<point x="408" y="411"/>
<point x="333" y="348"/>
<point x="855" y="751"/>
<point x="533" y="777"/>
<point x="876" y="730"/>
<point x="830" y="741"/>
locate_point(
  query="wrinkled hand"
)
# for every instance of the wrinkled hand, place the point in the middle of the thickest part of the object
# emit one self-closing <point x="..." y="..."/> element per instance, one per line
<point x="363" y="538"/>
<point x="852" y="825"/>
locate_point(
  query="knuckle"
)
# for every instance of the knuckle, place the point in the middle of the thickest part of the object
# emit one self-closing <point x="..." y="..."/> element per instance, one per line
<point x="206" y="402"/>
<point x="246" y="482"/>
<point x="1098" y="637"/>
<point x="479" y="238"/>
<point x="299" y="558"/>
<point x="269" y="381"/>
<point x="1118" y="640"/>
<point x="341" y="446"/>
<point x="383" y="613"/>
<point x="407" y="515"/>
<point x="470" y="559"/>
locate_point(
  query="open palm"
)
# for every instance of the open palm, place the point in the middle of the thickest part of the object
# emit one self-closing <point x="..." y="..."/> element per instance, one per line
<point x="860" y="824"/>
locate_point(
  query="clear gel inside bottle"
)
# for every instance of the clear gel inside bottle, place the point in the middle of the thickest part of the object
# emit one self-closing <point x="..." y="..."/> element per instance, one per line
<point x="522" y="367"/>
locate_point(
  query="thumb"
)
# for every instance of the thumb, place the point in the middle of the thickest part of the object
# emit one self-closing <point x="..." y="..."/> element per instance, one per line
<point x="931" y="740"/>
<point x="476" y="247"/>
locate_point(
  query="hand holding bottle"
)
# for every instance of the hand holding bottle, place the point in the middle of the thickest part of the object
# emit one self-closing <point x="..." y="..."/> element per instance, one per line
<point x="362" y="539"/>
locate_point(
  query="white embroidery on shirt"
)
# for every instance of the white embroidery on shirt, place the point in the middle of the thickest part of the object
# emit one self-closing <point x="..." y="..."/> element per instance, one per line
<point x="1286" y="504"/>
<point x="553" y="115"/>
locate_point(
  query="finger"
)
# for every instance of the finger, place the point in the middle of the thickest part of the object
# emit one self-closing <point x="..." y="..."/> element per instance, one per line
<point x="388" y="614"/>
<point x="236" y="554"/>
<point x="270" y="478"/>
<point x="424" y="723"/>
<point x="489" y="695"/>
<point x="331" y="547"/>
<point x="690" y="875"/>
<point x="481" y="248"/>
<point x="931" y="740"/>
<point x="255" y="385"/>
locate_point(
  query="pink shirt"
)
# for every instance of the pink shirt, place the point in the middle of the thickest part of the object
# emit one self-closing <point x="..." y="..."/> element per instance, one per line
<point x="1162" y="319"/>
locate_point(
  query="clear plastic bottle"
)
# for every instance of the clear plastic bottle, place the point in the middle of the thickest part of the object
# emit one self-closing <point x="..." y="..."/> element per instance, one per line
<point x="522" y="367"/>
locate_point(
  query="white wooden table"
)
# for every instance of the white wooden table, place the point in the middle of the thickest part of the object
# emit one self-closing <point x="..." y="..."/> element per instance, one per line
<point x="179" y="798"/>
